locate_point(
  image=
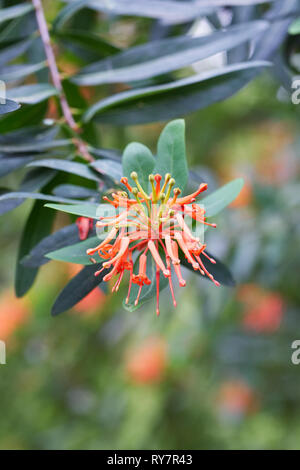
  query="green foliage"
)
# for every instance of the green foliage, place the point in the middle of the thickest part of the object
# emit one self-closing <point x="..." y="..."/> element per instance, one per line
<point x="157" y="81"/>
<point x="138" y="158"/>
<point x="171" y="156"/>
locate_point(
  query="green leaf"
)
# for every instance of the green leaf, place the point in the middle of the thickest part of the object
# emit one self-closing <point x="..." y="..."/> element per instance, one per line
<point x="74" y="191"/>
<point x="78" y="288"/>
<point x="138" y="158"/>
<point x="66" y="13"/>
<point x="295" y="27"/>
<point x="25" y="115"/>
<point x="38" y="225"/>
<point x="59" y="239"/>
<point x="218" y="200"/>
<point x="82" y="210"/>
<point x="39" y="196"/>
<point x="74" y="168"/>
<point x="219" y="271"/>
<point x="10" y="50"/>
<point x="89" y="43"/>
<point x="75" y="253"/>
<point x="8" y="106"/>
<point x="171" y="156"/>
<point x="32" y="94"/>
<point x="35" y="146"/>
<point x="162" y="102"/>
<point x="148" y="291"/>
<point x="160" y="57"/>
<point x="14" y="12"/>
<point x="14" y="72"/>
<point x="169" y="11"/>
<point x="111" y="168"/>
<point x="7" y="165"/>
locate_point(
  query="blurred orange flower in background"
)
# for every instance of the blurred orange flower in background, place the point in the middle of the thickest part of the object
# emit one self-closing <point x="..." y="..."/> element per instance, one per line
<point x="237" y="398"/>
<point x="147" y="363"/>
<point x="13" y="314"/>
<point x="245" y="197"/>
<point x="91" y="303"/>
<point x="263" y="310"/>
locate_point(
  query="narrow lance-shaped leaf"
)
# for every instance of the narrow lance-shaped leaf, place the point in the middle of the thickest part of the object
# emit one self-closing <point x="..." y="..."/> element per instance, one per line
<point x="38" y="225"/>
<point x="218" y="200"/>
<point x="12" y="163"/>
<point x="11" y="13"/>
<point x="62" y="238"/>
<point x="13" y="49"/>
<point x="159" y="57"/>
<point x="78" y="288"/>
<point x="32" y="94"/>
<point x="14" y="72"/>
<point x="74" y="168"/>
<point x="219" y="271"/>
<point x="92" y="211"/>
<point x="162" y="102"/>
<point x="168" y="10"/>
<point x="75" y="253"/>
<point x="108" y="167"/>
<point x="39" y="196"/>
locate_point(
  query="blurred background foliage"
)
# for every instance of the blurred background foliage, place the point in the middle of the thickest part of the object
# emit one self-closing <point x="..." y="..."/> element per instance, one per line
<point x="214" y="373"/>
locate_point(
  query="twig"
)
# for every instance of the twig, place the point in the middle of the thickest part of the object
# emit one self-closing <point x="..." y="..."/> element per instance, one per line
<point x="42" y="25"/>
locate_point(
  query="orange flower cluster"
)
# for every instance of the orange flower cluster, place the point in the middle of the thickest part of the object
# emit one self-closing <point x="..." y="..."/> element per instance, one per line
<point x="153" y="224"/>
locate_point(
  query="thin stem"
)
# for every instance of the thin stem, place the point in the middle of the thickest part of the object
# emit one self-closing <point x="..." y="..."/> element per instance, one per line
<point x="43" y="28"/>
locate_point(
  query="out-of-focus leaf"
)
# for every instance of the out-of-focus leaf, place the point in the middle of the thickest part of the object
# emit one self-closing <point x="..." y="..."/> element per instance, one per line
<point x="110" y="168"/>
<point x="242" y="15"/>
<point x="32" y="94"/>
<point x="219" y="271"/>
<point x="33" y="181"/>
<point x="171" y="156"/>
<point x="82" y="210"/>
<point x="11" y="13"/>
<point x="78" y="288"/>
<point x="75" y="253"/>
<point x="40" y="196"/>
<point x="159" y="57"/>
<point x="9" y="164"/>
<point x="13" y="50"/>
<point x="38" y="225"/>
<point x="26" y="115"/>
<point x="60" y="239"/>
<point x="8" y="106"/>
<point x="138" y="158"/>
<point x="74" y="191"/>
<point x="162" y="102"/>
<point x="170" y="11"/>
<point x="37" y="146"/>
<point x="280" y="15"/>
<point x="66" y="13"/>
<point x="88" y="42"/>
<point x="74" y="168"/>
<point x="109" y="154"/>
<point x="14" y="72"/>
<point x="218" y="200"/>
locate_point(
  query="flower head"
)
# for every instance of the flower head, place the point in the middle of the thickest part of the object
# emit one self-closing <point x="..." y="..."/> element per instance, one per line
<point x="154" y="225"/>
